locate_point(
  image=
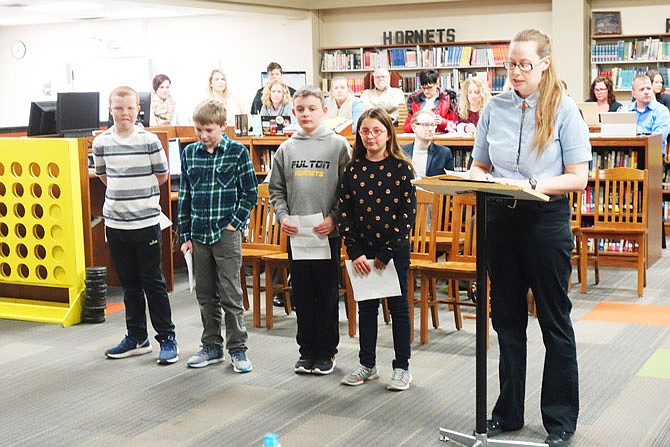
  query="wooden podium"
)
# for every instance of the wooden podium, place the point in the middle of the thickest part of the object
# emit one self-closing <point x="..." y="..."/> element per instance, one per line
<point x="483" y="191"/>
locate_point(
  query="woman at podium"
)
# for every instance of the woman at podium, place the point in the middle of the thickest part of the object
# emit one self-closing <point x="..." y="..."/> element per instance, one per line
<point x="533" y="136"/>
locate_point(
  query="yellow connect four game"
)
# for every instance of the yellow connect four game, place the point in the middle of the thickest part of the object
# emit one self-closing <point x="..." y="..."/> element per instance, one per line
<point x="41" y="236"/>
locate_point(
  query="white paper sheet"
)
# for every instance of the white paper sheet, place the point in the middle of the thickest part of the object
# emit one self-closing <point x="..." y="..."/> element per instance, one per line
<point x="188" y="257"/>
<point x="307" y="244"/>
<point x="164" y="221"/>
<point x="377" y="284"/>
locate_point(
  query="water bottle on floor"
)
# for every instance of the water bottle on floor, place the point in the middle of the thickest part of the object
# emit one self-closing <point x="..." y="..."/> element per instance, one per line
<point x="271" y="440"/>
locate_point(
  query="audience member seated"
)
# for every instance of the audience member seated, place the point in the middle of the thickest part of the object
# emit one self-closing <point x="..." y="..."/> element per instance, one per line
<point x="162" y="103"/>
<point x="658" y="86"/>
<point x="432" y="98"/>
<point x="428" y="158"/>
<point x="473" y="96"/>
<point x="383" y="95"/>
<point x="274" y="72"/>
<point x="276" y="101"/>
<point x="652" y="117"/>
<point x="218" y="90"/>
<point x="602" y="92"/>
<point x="342" y="102"/>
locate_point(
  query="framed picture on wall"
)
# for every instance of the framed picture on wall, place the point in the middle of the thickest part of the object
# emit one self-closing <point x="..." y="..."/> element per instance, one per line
<point x="605" y="22"/>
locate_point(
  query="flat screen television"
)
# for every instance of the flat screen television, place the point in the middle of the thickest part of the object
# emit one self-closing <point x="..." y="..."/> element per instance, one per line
<point x="42" y="119"/>
<point x="77" y="113"/>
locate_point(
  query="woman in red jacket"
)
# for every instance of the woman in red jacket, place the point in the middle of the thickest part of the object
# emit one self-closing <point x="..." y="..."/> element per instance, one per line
<point x="432" y="98"/>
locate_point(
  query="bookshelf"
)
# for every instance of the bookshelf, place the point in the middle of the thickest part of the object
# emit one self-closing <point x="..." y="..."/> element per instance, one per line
<point x="455" y="61"/>
<point x="622" y="56"/>
<point x="642" y="152"/>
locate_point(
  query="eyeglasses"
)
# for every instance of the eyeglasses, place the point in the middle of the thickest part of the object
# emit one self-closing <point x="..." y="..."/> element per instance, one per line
<point x="599" y="90"/>
<point x="523" y="66"/>
<point x="377" y="131"/>
<point x="426" y="125"/>
<point x="425" y="86"/>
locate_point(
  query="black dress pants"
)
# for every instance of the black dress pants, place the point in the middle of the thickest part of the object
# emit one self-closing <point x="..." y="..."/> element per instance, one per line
<point x="529" y="246"/>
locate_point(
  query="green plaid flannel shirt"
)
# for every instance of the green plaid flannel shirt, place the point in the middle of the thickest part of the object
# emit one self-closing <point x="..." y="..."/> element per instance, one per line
<point x="215" y="190"/>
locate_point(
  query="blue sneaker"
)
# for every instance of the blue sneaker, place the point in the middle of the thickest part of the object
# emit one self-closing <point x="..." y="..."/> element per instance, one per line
<point x="128" y="347"/>
<point x="240" y="361"/>
<point x="169" y="350"/>
<point x="206" y="356"/>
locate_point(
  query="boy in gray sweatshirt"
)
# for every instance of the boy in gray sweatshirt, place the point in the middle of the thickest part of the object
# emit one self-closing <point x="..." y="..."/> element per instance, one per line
<point x="304" y="180"/>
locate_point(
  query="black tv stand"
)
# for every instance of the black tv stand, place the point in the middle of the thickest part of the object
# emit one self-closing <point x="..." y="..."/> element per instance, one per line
<point x="77" y="133"/>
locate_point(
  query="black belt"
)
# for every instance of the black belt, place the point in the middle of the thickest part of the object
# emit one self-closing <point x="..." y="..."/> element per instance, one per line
<point x="512" y="203"/>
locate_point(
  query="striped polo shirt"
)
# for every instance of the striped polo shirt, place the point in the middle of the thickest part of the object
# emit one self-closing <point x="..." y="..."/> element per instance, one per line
<point x="132" y="196"/>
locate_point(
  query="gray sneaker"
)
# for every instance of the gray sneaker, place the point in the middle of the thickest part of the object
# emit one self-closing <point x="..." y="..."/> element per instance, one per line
<point x="360" y="375"/>
<point x="400" y="380"/>
<point x="240" y="361"/>
<point x="206" y="356"/>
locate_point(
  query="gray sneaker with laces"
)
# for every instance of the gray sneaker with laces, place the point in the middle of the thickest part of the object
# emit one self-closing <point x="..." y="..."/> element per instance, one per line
<point x="240" y="361"/>
<point x="400" y="380"/>
<point x="360" y="375"/>
<point x="206" y="356"/>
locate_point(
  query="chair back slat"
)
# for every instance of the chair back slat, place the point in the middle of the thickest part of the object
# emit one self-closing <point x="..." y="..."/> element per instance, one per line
<point x="264" y="231"/>
<point x="464" y="228"/>
<point x="621" y="197"/>
<point x="422" y="239"/>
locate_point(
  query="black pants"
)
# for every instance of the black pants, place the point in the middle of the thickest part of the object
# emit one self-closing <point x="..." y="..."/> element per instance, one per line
<point x="137" y="258"/>
<point x="315" y="285"/>
<point x="399" y="308"/>
<point x="530" y="247"/>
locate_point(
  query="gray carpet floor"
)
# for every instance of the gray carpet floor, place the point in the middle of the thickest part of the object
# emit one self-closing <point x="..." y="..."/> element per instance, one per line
<point x="57" y="388"/>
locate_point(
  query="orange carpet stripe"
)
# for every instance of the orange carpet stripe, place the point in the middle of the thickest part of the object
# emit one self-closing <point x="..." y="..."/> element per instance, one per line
<point x="630" y="313"/>
<point x="114" y="307"/>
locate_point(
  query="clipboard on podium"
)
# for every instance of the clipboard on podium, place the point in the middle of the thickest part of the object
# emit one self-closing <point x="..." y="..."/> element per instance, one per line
<point x="483" y="190"/>
<point x="453" y="187"/>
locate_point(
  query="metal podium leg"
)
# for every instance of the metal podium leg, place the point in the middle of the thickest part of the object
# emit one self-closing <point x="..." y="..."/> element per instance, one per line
<point x="478" y="438"/>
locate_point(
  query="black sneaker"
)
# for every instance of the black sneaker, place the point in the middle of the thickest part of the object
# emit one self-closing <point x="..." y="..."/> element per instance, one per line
<point x="324" y="366"/>
<point x="304" y="366"/>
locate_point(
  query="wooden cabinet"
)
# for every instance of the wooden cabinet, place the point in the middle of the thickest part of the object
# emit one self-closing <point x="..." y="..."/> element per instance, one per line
<point x="642" y="152"/>
<point x="455" y="61"/>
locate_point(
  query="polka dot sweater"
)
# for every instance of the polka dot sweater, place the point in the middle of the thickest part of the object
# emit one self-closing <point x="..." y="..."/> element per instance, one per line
<point x="377" y="208"/>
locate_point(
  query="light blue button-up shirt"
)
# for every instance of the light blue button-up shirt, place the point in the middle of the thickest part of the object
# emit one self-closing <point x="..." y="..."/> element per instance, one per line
<point x="506" y="130"/>
<point x="654" y="119"/>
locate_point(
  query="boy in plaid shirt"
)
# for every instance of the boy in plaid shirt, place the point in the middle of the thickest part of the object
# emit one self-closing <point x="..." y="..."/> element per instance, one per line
<point x="217" y="190"/>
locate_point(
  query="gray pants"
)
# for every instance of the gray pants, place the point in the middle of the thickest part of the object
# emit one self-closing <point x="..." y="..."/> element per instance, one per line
<point x="217" y="288"/>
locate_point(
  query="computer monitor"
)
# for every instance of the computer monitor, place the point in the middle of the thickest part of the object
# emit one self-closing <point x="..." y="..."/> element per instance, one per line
<point x="144" y="117"/>
<point x="42" y="119"/>
<point x="295" y="79"/>
<point x="174" y="158"/>
<point x="77" y="113"/>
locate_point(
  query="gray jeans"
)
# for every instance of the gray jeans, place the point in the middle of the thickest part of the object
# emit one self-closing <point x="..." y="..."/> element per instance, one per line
<point x="217" y="288"/>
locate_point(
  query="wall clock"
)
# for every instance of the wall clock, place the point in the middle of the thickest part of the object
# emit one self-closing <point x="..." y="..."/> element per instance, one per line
<point x="18" y="49"/>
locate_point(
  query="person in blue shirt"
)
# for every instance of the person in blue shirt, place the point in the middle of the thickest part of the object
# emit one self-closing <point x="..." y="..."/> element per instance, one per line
<point x="533" y="136"/>
<point x="652" y="116"/>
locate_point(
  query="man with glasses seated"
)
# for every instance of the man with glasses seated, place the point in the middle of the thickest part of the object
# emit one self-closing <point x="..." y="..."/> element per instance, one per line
<point x="432" y="98"/>
<point x="428" y="158"/>
<point x="383" y="95"/>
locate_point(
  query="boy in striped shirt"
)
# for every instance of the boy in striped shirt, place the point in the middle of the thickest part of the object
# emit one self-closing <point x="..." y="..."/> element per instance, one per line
<point x="132" y="163"/>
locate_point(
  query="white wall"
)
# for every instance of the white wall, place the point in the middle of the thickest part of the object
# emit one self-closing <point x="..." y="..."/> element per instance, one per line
<point x="186" y="49"/>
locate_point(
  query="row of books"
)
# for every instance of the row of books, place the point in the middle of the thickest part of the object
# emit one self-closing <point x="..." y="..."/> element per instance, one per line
<point x="461" y="159"/>
<point x="588" y="199"/>
<point x="453" y="79"/>
<point x="356" y="85"/>
<point x="622" y="158"/>
<point x="613" y="245"/>
<point x="666" y="211"/>
<point x="622" y="78"/>
<point x="653" y="49"/>
<point x="414" y="57"/>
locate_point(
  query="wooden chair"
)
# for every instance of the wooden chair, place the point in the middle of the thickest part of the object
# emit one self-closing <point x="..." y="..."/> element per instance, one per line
<point x="264" y="238"/>
<point x="461" y="265"/>
<point x="620" y="212"/>
<point x="576" y="226"/>
<point x="422" y="242"/>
